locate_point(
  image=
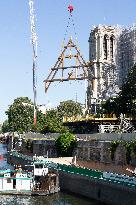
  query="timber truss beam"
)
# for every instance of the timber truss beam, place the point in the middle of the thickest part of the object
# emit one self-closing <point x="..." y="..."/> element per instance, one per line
<point x="60" y="72"/>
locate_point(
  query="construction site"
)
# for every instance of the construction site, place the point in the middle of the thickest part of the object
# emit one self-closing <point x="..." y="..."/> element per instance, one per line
<point x="112" y="52"/>
<point x="88" y="151"/>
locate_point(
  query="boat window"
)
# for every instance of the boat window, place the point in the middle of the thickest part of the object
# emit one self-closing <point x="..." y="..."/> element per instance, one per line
<point x="8" y="180"/>
<point x="39" y="166"/>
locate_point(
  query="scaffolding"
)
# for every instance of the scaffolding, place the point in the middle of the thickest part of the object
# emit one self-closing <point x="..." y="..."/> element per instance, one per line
<point x="126" y="51"/>
<point x="110" y="69"/>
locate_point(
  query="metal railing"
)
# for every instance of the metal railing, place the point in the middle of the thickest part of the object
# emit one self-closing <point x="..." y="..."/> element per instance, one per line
<point x="90" y="117"/>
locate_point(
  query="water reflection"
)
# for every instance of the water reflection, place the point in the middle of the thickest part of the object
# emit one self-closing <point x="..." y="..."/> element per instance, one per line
<point x="3" y="161"/>
<point x="57" y="199"/>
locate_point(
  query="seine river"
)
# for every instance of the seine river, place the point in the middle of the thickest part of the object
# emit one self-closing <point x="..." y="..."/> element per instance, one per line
<point x="57" y="199"/>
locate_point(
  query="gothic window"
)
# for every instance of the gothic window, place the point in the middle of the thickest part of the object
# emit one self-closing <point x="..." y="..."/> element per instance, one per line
<point x="105" y="47"/>
<point x="111" y="46"/>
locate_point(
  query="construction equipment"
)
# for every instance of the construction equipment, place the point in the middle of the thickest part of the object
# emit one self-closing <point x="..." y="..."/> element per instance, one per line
<point x="34" y="51"/>
<point x="70" y="55"/>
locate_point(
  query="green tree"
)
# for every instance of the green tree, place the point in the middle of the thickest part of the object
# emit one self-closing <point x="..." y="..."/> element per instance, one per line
<point x="53" y="122"/>
<point x="20" y="116"/>
<point x="126" y="101"/>
<point x="65" y="144"/>
<point x="5" y="126"/>
<point x="54" y="117"/>
<point x="69" y="108"/>
<point x="112" y="106"/>
<point x="127" y="95"/>
<point x="41" y="120"/>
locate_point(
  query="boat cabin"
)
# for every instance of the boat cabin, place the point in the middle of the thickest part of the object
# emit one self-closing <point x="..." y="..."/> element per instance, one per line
<point x="40" y="169"/>
<point x="16" y="181"/>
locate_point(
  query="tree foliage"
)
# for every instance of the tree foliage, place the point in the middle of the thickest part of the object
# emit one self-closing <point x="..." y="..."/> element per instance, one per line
<point x="65" y="144"/>
<point x="112" y="106"/>
<point x="5" y="126"/>
<point x="130" y="146"/>
<point x="69" y="108"/>
<point x="114" y="145"/>
<point x="127" y="96"/>
<point x="126" y="101"/>
<point x="54" y="117"/>
<point x="53" y="122"/>
<point x="20" y="116"/>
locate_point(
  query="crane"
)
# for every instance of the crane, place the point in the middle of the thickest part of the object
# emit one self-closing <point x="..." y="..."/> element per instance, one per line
<point x="34" y="51"/>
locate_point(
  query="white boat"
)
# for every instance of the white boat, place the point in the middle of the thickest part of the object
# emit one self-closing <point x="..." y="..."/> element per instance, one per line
<point x="37" y="182"/>
<point x="15" y="181"/>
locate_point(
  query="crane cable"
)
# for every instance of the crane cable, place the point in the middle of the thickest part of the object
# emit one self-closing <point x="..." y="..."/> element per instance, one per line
<point x="70" y="20"/>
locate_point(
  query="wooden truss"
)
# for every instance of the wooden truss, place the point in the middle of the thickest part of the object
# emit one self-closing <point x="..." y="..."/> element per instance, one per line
<point x="60" y="72"/>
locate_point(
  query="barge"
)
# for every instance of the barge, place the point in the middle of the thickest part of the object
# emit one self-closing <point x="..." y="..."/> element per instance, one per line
<point x="38" y="181"/>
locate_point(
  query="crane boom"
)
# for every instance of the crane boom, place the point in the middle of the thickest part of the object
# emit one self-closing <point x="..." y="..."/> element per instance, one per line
<point x="34" y="51"/>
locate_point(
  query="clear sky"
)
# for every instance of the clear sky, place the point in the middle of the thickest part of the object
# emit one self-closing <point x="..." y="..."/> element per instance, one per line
<point x="51" y="21"/>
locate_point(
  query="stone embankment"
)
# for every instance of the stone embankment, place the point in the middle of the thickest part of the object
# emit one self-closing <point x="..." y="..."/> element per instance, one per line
<point x="96" y="153"/>
<point x="109" y="193"/>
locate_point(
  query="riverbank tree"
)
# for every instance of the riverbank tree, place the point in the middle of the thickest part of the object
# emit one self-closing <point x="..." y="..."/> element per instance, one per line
<point x="5" y="127"/>
<point x="54" y="117"/>
<point x="125" y="102"/>
<point x="21" y="115"/>
<point x="65" y="144"/>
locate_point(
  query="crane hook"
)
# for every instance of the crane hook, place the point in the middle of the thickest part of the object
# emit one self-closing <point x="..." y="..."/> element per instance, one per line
<point x="70" y="8"/>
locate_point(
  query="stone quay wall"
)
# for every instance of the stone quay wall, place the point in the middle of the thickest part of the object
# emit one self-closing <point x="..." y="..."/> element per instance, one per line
<point x="107" y="136"/>
<point x="97" y="148"/>
<point x="93" y="147"/>
<point x="108" y="193"/>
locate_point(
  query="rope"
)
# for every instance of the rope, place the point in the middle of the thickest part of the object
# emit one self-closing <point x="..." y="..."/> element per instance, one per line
<point x="67" y="28"/>
<point x="70" y="20"/>
<point x="74" y="28"/>
<point x="63" y="42"/>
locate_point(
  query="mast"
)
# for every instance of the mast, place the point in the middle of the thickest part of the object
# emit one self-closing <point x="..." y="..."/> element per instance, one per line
<point x="34" y="51"/>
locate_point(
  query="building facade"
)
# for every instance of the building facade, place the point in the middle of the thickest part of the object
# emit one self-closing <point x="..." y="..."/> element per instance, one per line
<point x="112" y="51"/>
<point x="126" y="50"/>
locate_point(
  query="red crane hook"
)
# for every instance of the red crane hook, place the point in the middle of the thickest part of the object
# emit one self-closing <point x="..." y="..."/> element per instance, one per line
<point x="70" y="8"/>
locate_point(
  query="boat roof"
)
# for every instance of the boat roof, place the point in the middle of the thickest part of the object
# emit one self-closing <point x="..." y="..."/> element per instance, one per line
<point x="20" y="178"/>
<point x="5" y="171"/>
<point x="42" y="162"/>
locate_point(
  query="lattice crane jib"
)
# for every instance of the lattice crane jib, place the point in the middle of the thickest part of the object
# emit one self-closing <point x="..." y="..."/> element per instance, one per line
<point x="69" y="66"/>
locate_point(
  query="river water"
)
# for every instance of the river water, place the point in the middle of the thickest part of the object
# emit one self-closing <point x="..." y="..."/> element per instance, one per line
<point x="57" y="199"/>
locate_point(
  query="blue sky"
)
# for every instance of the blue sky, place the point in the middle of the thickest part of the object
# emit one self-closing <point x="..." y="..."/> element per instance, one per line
<point x="51" y="21"/>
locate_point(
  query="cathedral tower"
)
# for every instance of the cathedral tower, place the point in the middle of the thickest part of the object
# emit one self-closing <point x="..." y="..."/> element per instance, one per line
<point x="103" y="73"/>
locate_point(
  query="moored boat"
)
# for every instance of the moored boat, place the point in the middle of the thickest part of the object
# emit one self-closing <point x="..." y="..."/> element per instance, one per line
<point x="37" y="182"/>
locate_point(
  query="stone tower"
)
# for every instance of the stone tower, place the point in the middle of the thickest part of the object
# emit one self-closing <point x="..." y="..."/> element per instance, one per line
<point x="103" y="74"/>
